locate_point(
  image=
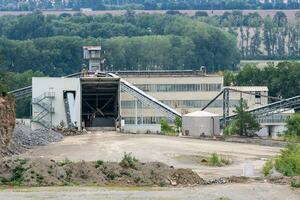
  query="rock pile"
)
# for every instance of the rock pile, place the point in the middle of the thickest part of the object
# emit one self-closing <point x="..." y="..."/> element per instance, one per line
<point x="25" y="137"/>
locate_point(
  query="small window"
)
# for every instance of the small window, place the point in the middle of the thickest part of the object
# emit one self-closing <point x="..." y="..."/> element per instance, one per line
<point x="257" y="98"/>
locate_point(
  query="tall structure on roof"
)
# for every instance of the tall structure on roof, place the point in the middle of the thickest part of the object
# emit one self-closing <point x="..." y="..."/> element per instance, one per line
<point x="93" y="55"/>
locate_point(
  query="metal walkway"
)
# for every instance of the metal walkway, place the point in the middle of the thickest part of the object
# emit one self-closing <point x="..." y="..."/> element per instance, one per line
<point x="280" y="106"/>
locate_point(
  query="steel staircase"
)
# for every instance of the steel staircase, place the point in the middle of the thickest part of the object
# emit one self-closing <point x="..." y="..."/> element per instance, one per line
<point x="43" y="102"/>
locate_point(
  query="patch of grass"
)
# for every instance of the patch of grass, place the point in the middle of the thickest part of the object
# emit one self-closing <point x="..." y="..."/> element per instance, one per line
<point x="216" y="160"/>
<point x="128" y="161"/>
<point x="22" y="161"/>
<point x="268" y="166"/>
<point x="223" y="198"/>
<point x="99" y="163"/>
<point x="65" y="162"/>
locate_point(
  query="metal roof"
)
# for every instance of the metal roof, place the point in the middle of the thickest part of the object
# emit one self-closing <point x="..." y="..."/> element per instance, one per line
<point x="201" y="114"/>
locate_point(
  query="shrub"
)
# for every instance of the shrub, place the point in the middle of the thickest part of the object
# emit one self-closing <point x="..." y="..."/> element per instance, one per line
<point x="17" y="175"/>
<point x="268" y="166"/>
<point x="65" y="162"/>
<point x="99" y="163"/>
<point x="293" y="124"/>
<point x="217" y="160"/>
<point x="295" y="182"/>
<point x="128" y="160"/>
<point x="231" y="128"/>
<point x="178" y="124"/>
<point x="288" y="162"/>
<point x="166" y="128"/>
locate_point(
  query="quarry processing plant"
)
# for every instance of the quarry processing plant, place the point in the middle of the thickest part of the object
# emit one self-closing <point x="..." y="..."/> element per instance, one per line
<point x="95" y="99"/>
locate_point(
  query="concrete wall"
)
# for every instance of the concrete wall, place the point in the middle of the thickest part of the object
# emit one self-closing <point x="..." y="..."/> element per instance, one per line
<point x="197" y="126"/>
<point x="59" y="85"/>
<point x="141" y="128"/>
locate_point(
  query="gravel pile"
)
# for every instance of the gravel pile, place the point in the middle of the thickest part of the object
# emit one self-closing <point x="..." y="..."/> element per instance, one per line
<point x="26" y="137"/>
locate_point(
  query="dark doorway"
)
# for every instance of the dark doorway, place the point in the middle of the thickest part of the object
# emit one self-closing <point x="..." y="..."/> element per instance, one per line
<point x="100" y="101"/>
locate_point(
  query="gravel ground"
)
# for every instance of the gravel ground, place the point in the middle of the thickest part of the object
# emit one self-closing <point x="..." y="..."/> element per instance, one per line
<point x="174" y="151"/>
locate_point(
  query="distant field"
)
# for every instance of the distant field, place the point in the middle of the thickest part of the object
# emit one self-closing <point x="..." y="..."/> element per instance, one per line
<point x="263" y="63"/>
<point x="290" y="13"/>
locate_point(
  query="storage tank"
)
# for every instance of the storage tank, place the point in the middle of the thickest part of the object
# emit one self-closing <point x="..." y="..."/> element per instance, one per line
<point x="200" y="123"/>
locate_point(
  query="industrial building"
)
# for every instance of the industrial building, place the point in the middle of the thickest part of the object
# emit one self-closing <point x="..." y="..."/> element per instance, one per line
<point x="137" y="100"/>
<point x="185" y="91"/>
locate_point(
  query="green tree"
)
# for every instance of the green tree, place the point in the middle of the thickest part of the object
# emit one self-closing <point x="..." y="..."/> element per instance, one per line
<point x="246" y="125"/>
<point x="293" y="124"/>
<point x="178" y="124"/>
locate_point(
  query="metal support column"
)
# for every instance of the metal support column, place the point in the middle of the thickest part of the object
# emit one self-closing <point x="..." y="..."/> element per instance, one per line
<point x="136" y="118"/>
<point x="225" y="106"/>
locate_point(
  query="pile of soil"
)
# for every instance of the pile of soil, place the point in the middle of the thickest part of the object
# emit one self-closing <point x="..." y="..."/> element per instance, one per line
<point x="45" y="172"/>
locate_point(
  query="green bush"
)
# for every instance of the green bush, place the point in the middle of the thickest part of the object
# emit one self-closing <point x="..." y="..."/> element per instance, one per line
<point x="217" y="160"/>
<point x="99" y="163"/>
<point x="65" y="162"/>
<point x="295" y="182"/>
<point x="288" y="162"/>
<point x="128" y="161"/>
<point x="293" y="124"/>
<point x="17" y="175"/>
<point x="231" y="128"/>
<point x="268" y="166"/>
<point x="166" y="128"/>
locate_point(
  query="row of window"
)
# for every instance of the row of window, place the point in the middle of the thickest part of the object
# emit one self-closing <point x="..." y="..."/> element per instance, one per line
<point x="146" y="120"/>
<point x="182" y="104"/>
<point x="179" y="87"/>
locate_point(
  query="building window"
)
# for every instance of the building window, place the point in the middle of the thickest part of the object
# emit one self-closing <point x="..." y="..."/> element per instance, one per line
<point x="257" y="97"/>
<point x="207" y="87"/>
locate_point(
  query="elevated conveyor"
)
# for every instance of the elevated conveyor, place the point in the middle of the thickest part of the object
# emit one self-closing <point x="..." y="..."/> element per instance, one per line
<point x="146" y="99"/>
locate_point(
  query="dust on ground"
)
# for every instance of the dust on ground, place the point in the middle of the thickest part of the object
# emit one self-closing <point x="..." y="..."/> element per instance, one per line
<point x="261" y="191"/>
<point x="174" y="151"/>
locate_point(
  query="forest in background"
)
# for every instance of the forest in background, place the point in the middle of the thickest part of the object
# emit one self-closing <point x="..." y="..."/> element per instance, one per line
<point x="53" y="44"/>
<point x="49" y="45"/>
<point x="31" y="5"/>
<point x="261" y="38"/>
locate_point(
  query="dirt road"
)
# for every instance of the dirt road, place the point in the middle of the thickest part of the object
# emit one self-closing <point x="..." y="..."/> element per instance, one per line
<point x="259" y="191"/>
<point x="179" y="152"/>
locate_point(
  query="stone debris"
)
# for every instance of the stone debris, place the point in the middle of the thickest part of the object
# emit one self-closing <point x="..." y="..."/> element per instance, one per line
<point x="26" y="137"/>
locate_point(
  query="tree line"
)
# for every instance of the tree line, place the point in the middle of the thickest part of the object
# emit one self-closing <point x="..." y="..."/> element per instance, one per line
<point x="261" y="38"/>
<point x="53" y="44"/>
<point x="31" y="5"/>
<point x="282" y="79"/>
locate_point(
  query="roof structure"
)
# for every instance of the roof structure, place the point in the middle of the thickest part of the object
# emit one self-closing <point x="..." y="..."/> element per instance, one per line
<point x="250" y="88"/>
<point x="201" y="114"/>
